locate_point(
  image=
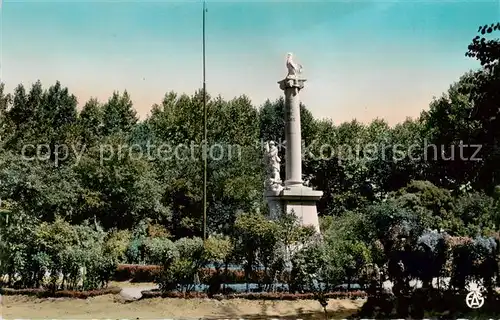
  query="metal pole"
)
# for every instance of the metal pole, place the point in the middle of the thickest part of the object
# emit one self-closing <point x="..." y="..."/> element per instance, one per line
<point x="205" y="132"/>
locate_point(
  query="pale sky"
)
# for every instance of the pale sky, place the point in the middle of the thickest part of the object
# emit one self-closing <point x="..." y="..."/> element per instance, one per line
<point x="362" y="59"/>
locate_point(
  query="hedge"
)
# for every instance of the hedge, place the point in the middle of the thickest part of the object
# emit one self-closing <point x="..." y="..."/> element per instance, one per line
<point x="136" y="272"/>
<point x="148" y="273"/>
<point x="253" y="296"/>
<point x="44" y="293"/>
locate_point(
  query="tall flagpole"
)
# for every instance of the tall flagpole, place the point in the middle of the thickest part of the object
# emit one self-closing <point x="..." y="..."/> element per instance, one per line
<point x="205" y="131"/>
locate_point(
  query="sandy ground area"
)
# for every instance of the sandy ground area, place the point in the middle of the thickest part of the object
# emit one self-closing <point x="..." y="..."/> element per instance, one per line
<point x="113" y="307"/>
<point x="128" y="284"/>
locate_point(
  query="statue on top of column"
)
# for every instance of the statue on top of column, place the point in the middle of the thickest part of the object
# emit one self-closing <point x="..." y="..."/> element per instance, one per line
<point x="294" y="69"/>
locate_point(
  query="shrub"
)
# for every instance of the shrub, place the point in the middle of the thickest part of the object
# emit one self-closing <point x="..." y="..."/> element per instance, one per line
<point x="180" y="275"/>
<point x="39" y="264"/>
<point x="307" y="265"/>
<point x="182" y="271"/>
<point x="191" y="248"/>
<point x="217" y="250"/>
<point x="134" y="252"/>
<point x="71" y="260"/>
<point x="157" y="231"/>
<point x="159" y="251"/>
<point x="256" y="240"/>
<point x="74" y="254"/>
<point x="428" y="259"/>
<point x="117" y="243"/>
<point x="99" y="271"/>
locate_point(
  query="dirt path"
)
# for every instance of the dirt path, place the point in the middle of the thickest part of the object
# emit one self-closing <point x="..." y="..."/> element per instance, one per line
<point x="135" y="292"/>
<point x="23" y="307"/>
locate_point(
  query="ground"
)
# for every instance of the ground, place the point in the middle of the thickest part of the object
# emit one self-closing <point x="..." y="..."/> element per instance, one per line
<point x="112" y="307"/>
<point x="115" y="307"/>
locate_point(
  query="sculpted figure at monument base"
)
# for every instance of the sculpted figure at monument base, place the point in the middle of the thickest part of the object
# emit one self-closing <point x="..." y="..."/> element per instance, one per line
<point x="273" y="181"/>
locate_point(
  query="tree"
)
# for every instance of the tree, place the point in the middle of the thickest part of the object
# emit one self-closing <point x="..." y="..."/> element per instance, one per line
<point x="91" y="123"/>
<point x="407" y="154"/>
<point x="22" y="117"/>
<point x="5" y="102"/>
<point x="39" y="189"/>
<point x="485" y="98"/>
<point x="42" y="119"/>
<point x="272" y="128"/>
<point x="119" y="186"/>
<point x="118" y="114"/>
<point x="346" y="247"/>
<point x="477" y="214"/>
<point x="340" y="167"/>
<point x="452" y="135"/>
<point x="234" y="172"/>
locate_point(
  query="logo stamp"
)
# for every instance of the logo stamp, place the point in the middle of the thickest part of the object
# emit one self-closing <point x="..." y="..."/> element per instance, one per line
<point x="474" y="300"/>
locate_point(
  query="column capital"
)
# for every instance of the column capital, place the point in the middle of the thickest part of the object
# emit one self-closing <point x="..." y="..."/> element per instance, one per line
<point x="291" y="82"/>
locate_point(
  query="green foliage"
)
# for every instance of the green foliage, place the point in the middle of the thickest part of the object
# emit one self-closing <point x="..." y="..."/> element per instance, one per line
<point x="157" y="231"/>
<point x="341" y="256"/>
<point x="429" y="257"/>
<point x="311" y="268"/>
<point x="159" y="250"/>
<point x="75" y="257"/>
<point x="393" y="207"/>
<point x="191" y="248"/>
<point x="476" y="213"/>
<point x="134" y="252"/>
<point x="218" y="250"/>
<point x="179" y="275"/>
<point x="117" y="243"/>
<point x="181" y="267"/>
<point x="256" y="238"/>
<point x="118" y="114"/>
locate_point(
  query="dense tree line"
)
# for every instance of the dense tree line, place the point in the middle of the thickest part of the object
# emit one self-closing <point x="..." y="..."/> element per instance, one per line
<point x="65" y="183"/>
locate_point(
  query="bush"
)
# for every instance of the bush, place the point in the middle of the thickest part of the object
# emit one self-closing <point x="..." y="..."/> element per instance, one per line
<point x="74" y="253"/>
<point x="191" y="249"/>
<point x="159" y="251"/>
<point x="134" y="252"/>
<point x="256" y="241"/>
<point x="117" y="243"/>
<point x="99" y="271"/>
<point x="157" y="231"/>
<point x="218" y="250"/>
<point x="181" y="271"/>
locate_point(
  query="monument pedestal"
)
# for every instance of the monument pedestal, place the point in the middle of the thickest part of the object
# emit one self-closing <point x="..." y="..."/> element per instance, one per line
<point x="299" y="200"/>
<point x="274" y="203"/>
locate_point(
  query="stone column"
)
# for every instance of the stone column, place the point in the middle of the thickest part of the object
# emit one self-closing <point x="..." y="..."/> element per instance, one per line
<point x="293" y="137"/>
<point x="296" y="198"/>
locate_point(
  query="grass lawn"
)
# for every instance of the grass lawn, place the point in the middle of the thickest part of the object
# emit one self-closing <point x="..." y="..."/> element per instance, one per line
<point x="110" y="306"/>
